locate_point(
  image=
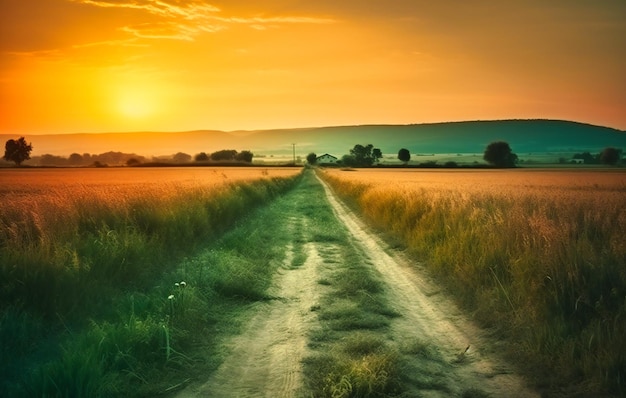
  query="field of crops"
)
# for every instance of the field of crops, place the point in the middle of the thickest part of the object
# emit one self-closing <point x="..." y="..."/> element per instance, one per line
<point x="539" y="256"/>
<point x="87" y="259"/>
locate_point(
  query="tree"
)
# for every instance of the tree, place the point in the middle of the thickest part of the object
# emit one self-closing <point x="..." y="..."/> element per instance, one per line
<point x="75" y="159"/>
<point x="244" y="156"/>
<point x="201" y="157"/>
<point x="224" y="154"/>
<point x="499" y="154"/>
<point x="311" y="158"/>
<point x="181" y="157"/>
<point x="132" y="162"/>
<point x="377" y="154"/>
<point x="348" y="160"/>
<point x="610" y="155"/>
<point x="404" y="155"/>
<point x="17" y="151"/>
<point x="365" y="155"/>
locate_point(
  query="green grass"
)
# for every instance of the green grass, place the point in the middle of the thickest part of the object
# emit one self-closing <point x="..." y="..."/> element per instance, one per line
<point x="351" y="354"/>
<point x="99" y="307"/>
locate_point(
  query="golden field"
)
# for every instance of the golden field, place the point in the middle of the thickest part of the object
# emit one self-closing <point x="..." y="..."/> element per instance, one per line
<point x="32" y="195"/>
<point x="539" y="256"/>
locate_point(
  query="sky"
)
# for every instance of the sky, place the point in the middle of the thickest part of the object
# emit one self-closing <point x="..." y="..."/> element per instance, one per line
<point x="69" y="66"/>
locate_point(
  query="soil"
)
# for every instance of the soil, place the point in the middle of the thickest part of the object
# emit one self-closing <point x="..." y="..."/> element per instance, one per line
<point x="266" y="359"/>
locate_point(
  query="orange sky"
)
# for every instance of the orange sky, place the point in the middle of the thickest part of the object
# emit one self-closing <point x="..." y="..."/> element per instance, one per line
<point x="171" y="65"/>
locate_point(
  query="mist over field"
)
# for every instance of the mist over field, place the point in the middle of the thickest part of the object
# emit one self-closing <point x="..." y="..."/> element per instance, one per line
<point x="524" y="136"/>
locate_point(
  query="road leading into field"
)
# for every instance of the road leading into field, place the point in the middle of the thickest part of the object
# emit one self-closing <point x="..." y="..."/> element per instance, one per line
<point x="266" y="359"/>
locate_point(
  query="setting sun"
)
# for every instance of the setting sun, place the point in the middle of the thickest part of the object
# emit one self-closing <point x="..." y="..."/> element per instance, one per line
<point x="136" y="105"/>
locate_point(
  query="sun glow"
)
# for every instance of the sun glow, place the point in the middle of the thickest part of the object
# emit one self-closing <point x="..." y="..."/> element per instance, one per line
<point x="136" y="105"/>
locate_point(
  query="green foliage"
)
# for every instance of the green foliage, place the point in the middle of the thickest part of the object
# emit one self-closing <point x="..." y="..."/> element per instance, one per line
<point x="311" y="158"/>
<point x="610" y="155"/>
<point x="101" y="286"/>
<point x="224" y="154"/>
<point x="17" y="151"/>
<point x="351" y="356"/>
<point x="244" y="156"/>
<point x="499" y="154"/>
<point x="364" y="155"/>
<point x="404" y="155"/>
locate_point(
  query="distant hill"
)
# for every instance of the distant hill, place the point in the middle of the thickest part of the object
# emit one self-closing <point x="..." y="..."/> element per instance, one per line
<point x="524" y="136"/>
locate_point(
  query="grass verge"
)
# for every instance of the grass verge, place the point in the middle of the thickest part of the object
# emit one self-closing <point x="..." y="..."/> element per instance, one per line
<point x="118" y="299"/>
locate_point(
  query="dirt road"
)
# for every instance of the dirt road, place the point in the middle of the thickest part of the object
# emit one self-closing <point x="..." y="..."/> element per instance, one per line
<point x="266" y="359"/>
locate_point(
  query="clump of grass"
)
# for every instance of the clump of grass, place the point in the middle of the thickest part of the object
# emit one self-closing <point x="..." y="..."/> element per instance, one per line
<point x="370" y="375"/>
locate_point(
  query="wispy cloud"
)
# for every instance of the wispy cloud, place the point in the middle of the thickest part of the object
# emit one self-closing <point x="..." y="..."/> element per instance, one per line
<point x="188" y="9"/>
<point x="184" y="20"/>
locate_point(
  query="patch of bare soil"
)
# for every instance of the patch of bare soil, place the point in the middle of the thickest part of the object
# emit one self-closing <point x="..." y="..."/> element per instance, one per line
<point x="467" y="358"/>
<point x="265" y="360"/>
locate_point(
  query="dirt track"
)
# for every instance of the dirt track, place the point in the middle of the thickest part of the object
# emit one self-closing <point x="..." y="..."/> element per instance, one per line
<point x="265" y="360"/>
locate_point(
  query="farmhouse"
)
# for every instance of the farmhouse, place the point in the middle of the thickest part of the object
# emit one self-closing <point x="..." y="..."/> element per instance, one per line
<point x="326" y="159"/>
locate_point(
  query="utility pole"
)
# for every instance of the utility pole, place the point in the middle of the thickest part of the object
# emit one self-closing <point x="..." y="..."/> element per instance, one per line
<point x="294" y="153"/>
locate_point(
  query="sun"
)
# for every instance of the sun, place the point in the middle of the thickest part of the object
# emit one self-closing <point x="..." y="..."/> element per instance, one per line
<point x="136" y="105"/>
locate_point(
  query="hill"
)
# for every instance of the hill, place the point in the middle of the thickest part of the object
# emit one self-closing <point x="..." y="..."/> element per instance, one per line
<point x="524" y="136"/>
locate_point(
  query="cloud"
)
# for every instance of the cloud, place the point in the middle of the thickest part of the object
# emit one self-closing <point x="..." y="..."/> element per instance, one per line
<point x="187" y="9"/>
<point x="184" y="20"/>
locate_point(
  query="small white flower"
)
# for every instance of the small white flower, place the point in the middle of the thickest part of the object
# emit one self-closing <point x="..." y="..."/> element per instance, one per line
<point x="183" y="284"/>
<point x="176" y="284"/>
<point x="170" y="297"/>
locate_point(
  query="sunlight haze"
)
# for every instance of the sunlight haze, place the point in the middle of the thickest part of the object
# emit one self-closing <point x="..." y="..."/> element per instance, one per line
<point x="71" y="66"/>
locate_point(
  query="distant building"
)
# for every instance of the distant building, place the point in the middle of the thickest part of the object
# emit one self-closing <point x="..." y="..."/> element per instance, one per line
<point x="326" y="159"/>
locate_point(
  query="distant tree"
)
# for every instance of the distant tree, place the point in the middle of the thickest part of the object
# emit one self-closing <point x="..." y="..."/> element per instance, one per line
<point x="181" y="157"/>
<point x="244" y="156"/>
<point x="224" y="154"/>
<point x="377" y="154"/>
<point x="132" y="162"/>
<point x="52" y="160"/>
<point x="201" y="157"/>
<point x="75" y="159"/>
<point x="610" y="155"/>
<point x="499" y="154"/>
<point x="348" y="160"/>
<point x="404" y="155"/>
<point x="17" y="151"/>
<point x="365" y="155"/>
<point x="311" y="158"/>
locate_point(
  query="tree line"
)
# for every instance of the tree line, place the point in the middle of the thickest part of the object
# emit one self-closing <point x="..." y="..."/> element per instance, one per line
<point x="497" y="153"/>
<point x="18" y="151"/>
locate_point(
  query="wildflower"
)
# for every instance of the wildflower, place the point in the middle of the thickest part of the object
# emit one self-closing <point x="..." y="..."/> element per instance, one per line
<point x="183" y="284"/>
<point x="170" y="297"/>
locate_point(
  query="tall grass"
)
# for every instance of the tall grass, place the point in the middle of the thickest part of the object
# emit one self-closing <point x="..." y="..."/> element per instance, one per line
<point x="540" y="259"/>
<point x="90" y="285"/>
